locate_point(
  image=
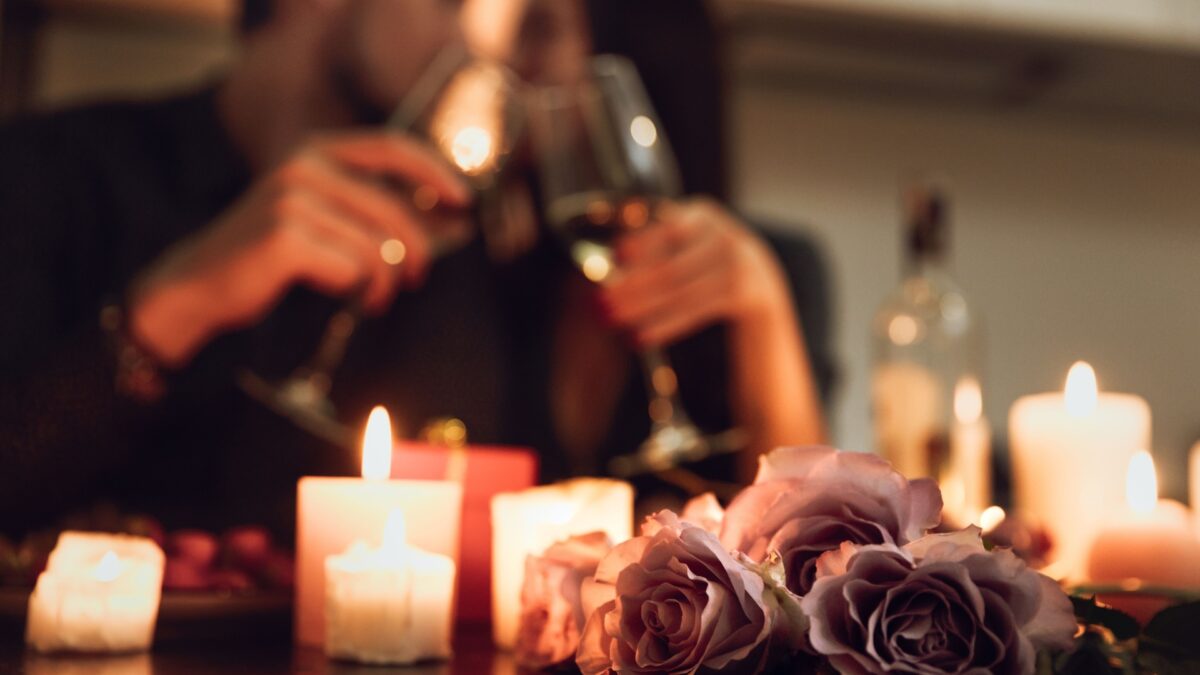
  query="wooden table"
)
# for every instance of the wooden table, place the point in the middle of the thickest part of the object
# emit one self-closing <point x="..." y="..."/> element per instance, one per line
<point x="474" y="655"/>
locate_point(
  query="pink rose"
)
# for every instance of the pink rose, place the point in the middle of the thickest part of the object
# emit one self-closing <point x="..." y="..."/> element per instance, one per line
<point x="942" y="604"/>
<point x="551" y="613"/>
<point x="674" y="601"/>
<point x="704" y="511"/>
<point x="808" y="500"/>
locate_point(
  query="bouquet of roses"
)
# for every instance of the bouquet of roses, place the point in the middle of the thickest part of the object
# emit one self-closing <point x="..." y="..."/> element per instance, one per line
<point x="823" y="563"/>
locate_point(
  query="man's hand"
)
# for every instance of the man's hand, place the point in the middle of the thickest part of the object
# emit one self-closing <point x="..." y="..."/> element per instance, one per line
<point x="319" y="219"/>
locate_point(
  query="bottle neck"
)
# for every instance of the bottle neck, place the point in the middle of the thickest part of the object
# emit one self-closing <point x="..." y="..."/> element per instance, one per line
<point x="923" y="263"/>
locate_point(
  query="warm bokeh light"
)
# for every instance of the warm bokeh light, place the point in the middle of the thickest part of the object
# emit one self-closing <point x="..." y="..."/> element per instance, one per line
<point x="471" y="149"/>
<point x="902" y="330"/>
<point x="395" y="533"/>
<point x="393" y="251"/>
<point x="377" y="446"/>
<point x="109" y="568"/>
<point x="991" y="518"/>
<point x="635" y="213"/>
<point x="968" y="400"/>
<point x="596" y="267"/>
<point x="1081" y="391"/>
<point x="643" y="131"/>
<point x="1141" y="484"/>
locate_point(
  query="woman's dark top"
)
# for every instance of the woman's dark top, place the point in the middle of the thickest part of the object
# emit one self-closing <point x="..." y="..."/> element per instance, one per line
<point x="89" y="197"/>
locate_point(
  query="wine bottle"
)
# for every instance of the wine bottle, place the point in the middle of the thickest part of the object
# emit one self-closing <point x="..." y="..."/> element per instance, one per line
<point x="926" y="387"/>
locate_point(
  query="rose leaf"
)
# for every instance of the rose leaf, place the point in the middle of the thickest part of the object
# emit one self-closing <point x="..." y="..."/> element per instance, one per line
<point x="1088" y="611"/>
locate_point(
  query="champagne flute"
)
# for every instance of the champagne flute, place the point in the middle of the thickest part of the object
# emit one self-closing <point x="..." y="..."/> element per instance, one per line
<point x="604" y="165"/>
<point x="469" y="110"/>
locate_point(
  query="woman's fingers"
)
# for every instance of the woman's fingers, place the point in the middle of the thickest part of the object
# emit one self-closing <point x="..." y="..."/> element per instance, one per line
<point x="691" y="308"/>
<point x="636" y="294"/>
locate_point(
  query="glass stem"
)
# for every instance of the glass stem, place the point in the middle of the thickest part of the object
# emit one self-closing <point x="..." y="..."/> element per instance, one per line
<point x="663" y="386"/>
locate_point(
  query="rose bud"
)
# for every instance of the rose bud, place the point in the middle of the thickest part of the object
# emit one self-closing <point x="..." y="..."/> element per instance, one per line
<point x="552" y="614"/>
<point x="198" y="546"/>
<point x="144" y="526"/>
<point x="279" y="571"/>
<point x="247" y="547"/>
<point x="235" y="581"/>
<point x="34" y="553"/>
<point x="10" y="566"/>
<point x="184" y="574"/>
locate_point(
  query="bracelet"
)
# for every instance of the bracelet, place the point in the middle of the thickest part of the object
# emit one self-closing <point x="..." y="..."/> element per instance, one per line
<point x="139" y="375"/>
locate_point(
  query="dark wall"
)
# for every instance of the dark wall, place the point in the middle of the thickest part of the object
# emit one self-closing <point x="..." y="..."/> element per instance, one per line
<point x="676" y="46"/>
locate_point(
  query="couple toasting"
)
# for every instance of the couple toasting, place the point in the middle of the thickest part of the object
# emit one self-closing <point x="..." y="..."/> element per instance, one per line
<point x="217" y="232"/>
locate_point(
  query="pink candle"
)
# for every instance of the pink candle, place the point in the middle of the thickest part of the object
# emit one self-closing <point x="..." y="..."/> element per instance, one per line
<point x="484" y="472"/>
<point x="1151" y="544"/>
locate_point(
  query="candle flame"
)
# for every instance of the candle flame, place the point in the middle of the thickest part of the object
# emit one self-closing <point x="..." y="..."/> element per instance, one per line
<point x="109" y="568"/>
<point x="1081" y="391"/>
<point x="968" y="400"/>
<point x="395" y="533"/>
<point x="471" y="149"/>
<point x="991" y="518"/>
<point x="1141" y="483"/>
<point x="377" y="446"/>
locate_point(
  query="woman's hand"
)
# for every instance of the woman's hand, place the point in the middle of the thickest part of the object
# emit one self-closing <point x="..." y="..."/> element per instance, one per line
<point x="694" y="265"/>
<point x="318" y="219"/>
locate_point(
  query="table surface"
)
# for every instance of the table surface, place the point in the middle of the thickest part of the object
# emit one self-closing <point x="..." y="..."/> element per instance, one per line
<point x="474" y="655"/>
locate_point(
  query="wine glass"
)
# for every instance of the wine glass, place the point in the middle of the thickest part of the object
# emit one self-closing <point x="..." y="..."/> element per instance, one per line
<point x="604" y="165"/>
<point x="470" y="111"/>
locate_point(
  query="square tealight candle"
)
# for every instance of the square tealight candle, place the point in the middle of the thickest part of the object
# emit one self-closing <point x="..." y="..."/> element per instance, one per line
<point x="388" y="605"/>
<point x="99" y="593"/>
<point x="526" y="523"/>
<point x="333" y="513"/>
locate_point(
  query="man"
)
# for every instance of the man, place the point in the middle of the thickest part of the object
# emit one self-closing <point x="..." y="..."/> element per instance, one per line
<point x="192" y="219"/>
<point x="216" y="233"/>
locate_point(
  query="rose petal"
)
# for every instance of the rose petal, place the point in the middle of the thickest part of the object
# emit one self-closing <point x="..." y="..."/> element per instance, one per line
<point x="705" y="512"/>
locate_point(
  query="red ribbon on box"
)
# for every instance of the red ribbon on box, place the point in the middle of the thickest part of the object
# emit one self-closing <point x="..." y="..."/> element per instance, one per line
<point x="484" y="471"/>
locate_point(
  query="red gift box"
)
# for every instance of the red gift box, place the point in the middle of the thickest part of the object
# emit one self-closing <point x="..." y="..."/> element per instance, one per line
<point x="484" y="472"/>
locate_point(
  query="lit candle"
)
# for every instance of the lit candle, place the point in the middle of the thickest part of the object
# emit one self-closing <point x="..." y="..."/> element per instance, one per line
<point x="333" y="513"/>
<point x="1069" y="455"/>
<point x="966" y="480"/>
<point x="527" y="522"/>
<point x="99" y="593"/>
<point x="1151" y="543"/>
<point x="390" y="605"/>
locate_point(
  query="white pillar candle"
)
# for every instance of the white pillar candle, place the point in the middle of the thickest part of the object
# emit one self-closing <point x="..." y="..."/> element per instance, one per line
<point x="1151" y="541"/>
<point x="1069" y="454"/>
<point x="99" y="593"/>
<point x="966" y="478"/>
<point x="390" y="605"/>
<point x="526" y="523"/>
<point x="333" y="513"/>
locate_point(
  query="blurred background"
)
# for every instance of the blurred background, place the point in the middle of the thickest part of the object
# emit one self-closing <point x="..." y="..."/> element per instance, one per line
<point x="1068" y="133"/>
